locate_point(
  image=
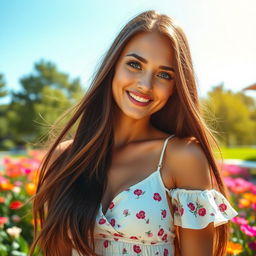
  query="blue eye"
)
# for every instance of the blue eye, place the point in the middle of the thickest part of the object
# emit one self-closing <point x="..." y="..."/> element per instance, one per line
<point x="165" y="75"/>
<point x="134" y="64"/>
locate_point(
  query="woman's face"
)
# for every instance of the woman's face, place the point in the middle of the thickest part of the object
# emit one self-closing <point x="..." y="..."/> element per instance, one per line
<point x="144" y="71"/>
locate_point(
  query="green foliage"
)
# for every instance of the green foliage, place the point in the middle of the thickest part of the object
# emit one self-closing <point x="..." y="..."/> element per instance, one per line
<point x="234" y="116"/>
<point x="45" y="95"/>
<point x="3" y="89"/>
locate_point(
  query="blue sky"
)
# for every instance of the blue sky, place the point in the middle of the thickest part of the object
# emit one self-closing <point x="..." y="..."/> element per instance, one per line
<point x="74" y="34"/>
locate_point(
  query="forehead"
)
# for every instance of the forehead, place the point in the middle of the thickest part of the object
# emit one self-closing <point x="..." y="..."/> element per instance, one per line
<point x="151" y="46"/>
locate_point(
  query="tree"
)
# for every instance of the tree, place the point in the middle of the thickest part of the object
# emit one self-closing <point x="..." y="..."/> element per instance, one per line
<point x="233" y="113"/>
<point x="45" y="94"/>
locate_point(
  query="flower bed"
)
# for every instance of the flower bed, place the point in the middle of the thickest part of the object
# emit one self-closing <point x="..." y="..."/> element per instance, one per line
<point x="18" y="184"/>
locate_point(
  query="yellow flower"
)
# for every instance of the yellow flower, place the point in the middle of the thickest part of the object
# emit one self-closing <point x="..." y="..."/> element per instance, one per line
<point x="249" y="196"/>
<point x="244" y="202"/>
<point x="30" y="188"/>
<point x="234" y="248"/>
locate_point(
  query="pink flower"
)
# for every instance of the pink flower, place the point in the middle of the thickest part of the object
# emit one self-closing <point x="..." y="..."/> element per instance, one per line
<point x="126" y="212"/>
<point x="253" y="205"/>
<point x="105" y="243"/>
<point x="140" y="215"/>
<point x="181" y="211"/>
<point x="113" y="222"/>
<point x="248" y="230"/>
<point x="160" y="232"/>
<point x="223" y="207"/>
<point x="137" y="192"/>
<point x="136" y="248"/>
<point x="239" y="220"/>
<point x="3" y="220"/>
<point x="157" y="197"/>
<point x="163" y="213"/>
<point x="191" y="206"/>
<point x="166" y="252"/>
<point x="102" y="221"/>
<point x="111" y="205"/>
<point x="202" y="211"/>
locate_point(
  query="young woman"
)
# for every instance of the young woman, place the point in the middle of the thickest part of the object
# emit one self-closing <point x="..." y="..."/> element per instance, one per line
<point x="139" y="176"/>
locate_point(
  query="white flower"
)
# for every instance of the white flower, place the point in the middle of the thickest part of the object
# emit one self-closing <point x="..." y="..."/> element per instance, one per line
<point x="16" y="189"/>
<point x="14" y="231"/>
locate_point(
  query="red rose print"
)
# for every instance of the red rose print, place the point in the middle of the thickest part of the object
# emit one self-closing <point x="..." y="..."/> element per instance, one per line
<point x="149" y="233"/>
<point x="181" y="211"/>
<point x="124" y="251"/>
<point x="202" y="211"/>
<point x="116" y="234"/>
<point x="164" y="237"/>
<point x="116" y="239"/>
<point x="136" y="248"/>
<point x="112" y="222"/>
<point x="212" y="214"/>
<point x="166" y="252"/>
<point x="223" y="207"/>
<point x="163" y="213"/>
<point x="175" y="208"/>
<point x="157" y="197"/>
<point x="137" y="192"/>
<point x="160" y="232"/>
<point x="191" y="206"/>
<point x="105" y="243"/>
<point x="111" y="205"/>
<point x="133" y="237"/>
<point x="102" y="221"/>
<point x="152" y="242"/>
<point x="140" y="215"/>
<point x="126" y="212"/>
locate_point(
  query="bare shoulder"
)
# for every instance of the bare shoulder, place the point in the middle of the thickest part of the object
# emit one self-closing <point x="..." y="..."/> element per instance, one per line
<point x="188" y="164"/>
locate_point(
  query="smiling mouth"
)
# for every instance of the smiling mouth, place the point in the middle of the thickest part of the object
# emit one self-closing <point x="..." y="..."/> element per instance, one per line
<point x="138" y="100"/>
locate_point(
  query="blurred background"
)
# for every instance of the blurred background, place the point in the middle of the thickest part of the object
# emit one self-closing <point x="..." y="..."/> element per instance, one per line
<point x="49" y="51"/>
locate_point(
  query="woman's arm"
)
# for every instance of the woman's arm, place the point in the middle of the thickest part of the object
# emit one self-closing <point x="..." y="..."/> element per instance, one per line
<point x="189" y="169"/>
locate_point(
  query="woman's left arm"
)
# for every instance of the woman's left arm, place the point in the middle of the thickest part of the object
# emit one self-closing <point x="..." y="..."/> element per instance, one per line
<point x="190" y="170"/>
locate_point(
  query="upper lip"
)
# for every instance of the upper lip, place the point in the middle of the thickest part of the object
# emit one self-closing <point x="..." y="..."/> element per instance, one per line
<point x="147" y="97"/>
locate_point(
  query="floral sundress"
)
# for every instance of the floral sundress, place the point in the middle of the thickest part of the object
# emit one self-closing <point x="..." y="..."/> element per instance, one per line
<point x="138" y="221"/>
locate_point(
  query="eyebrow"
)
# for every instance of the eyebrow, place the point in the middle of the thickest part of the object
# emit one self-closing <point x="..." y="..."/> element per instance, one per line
<point x="145" y="61"/>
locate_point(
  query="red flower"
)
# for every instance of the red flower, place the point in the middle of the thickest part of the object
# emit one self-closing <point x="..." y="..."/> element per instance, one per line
<point x="113" y="222"/>
<point x="163" y="213"/>
<point x="222" y="207"/>
<point x="191" y="206"/>
<point x="111" y="205"/>
<point x="105" y="243"/>
<point x="164" y="237"/>
<point x="166" y="252"/>
<point x="175" y="208"/>
<point x="133" y="237"/>
<point x="140" y="215"/>
<point x="136" y="248"/>
<point x="137" y="192"/>
<point x="181" y="211"/>
<point x="160" y="232"/>
<point x="202" y="211"/>
<point x="116" y="239"/>
<point x="15" y="205"/>
<point x="124" y="251"/>
<point x="157" y="197"/>
<point x="102" y="221"/>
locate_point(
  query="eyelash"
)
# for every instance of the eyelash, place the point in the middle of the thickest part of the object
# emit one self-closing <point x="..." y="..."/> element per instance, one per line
<point x="135" y="64"/>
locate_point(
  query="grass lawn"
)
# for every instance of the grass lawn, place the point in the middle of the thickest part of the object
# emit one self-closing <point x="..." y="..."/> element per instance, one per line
<point x="248" y="154"/>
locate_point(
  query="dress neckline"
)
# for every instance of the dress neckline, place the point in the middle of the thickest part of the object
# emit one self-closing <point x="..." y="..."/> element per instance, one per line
<point x="143" y="180"/>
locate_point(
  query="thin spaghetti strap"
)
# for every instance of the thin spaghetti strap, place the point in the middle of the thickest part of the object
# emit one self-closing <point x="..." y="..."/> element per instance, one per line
<point x="162" y="153"/>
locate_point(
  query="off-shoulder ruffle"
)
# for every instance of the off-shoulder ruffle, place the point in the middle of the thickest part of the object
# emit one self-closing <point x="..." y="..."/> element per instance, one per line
<point x="195" y="209"/>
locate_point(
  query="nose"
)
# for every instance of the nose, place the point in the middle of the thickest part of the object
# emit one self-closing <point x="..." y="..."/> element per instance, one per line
<point x="146" y="82"/>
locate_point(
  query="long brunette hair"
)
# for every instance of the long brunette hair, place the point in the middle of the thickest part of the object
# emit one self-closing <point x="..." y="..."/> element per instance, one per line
<point x="70" y="189"/>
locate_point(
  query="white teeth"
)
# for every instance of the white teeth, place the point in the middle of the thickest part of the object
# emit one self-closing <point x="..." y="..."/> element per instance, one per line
<point x="138" y="98"/>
